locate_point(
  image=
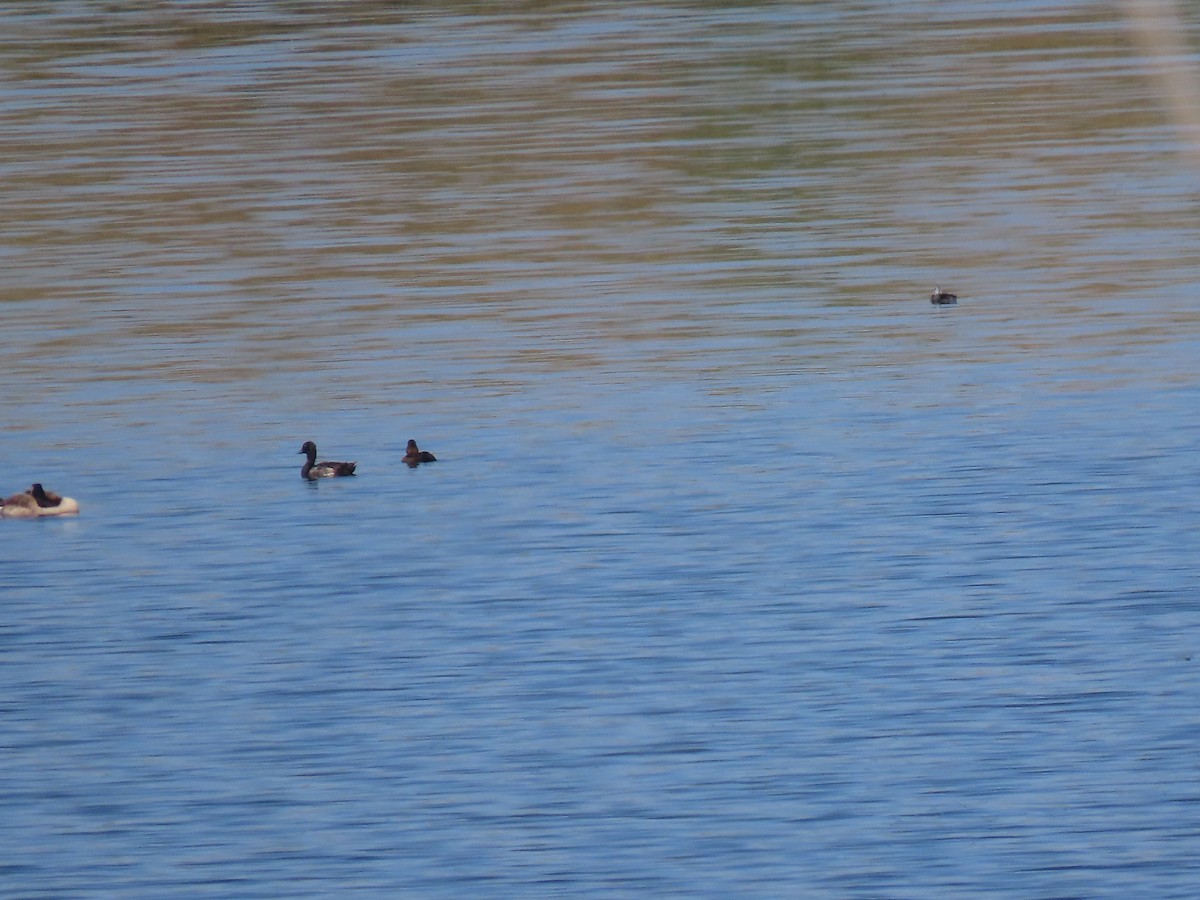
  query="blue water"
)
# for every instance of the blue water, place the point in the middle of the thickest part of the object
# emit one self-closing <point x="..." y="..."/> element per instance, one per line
<point x="743" y="570"/>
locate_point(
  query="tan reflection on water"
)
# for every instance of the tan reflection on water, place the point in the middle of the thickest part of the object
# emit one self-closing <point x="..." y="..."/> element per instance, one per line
<point x="210" y="193"/>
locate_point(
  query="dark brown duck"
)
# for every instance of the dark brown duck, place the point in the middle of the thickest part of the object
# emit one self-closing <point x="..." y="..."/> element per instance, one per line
<point x="312" y="470"/>
<point x="415" y="455"/>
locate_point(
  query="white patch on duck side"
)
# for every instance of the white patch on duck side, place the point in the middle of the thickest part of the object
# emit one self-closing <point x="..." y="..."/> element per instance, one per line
<point x="65" y="507"/>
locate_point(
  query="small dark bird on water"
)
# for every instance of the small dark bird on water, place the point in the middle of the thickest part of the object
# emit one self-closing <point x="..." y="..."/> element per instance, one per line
<point x="942" y="298"/>
<point x="312" y="470"/>
<point x="415" y="456"/>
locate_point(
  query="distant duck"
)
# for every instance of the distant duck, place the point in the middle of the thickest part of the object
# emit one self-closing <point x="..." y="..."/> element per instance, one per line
<point x="415" y="455"/>
<point x="37" y="502"/>
<point x="312" y="470"/>
<point x="942" y="298"/>
<point x="52" y="504"/>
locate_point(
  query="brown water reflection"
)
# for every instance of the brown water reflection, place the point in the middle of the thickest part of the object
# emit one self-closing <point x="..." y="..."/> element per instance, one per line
<point x="298" y="150"/>
<point x="253" y="180"/>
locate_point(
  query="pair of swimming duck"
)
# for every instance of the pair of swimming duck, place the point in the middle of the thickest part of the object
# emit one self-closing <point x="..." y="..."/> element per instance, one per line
<point x="312" y="470"/>
<point x="36" y="502"/>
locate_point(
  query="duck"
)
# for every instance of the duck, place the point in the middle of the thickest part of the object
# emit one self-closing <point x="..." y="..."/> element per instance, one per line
<point x="50" y="503"/>
<point x="312" y="470"/>
<point x="415" y="456"/>
<point x="37" y="501"/>
<point x="942" y="298"/>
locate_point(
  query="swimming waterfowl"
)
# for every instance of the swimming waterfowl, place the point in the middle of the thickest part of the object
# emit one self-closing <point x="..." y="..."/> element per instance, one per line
<point x="50" y="503"/>
<point x="942" y="298"/>
<point x="416" y="456"/>
<point x="37" y="501"/>
<point x="44" y="498"/>
<point x="312" y="470"/>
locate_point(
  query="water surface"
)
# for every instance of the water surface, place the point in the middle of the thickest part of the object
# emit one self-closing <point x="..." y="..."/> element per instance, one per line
<point x="743" y="570"/>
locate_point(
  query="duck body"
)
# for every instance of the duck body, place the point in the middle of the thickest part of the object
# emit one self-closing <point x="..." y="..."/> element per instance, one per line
<point x="312" y="470"/>
<point x="50" y="503"/>
<point x="18" y="506"/>
<point x="942" y="298"/>
<point x="64" y="507"/>
<point x="414" y="455"/>
<point x="37" y="502"/>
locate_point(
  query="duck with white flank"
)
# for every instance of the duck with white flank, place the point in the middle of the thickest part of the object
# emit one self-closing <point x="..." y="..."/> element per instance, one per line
<point x="942" y="298"/>
<point x="312" y="470"/>
<point x="36" y="502"/>
<point x="415" y="456"/>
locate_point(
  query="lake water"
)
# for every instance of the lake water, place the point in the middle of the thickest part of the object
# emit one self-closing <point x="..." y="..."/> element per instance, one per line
<point x="744" y="571"/>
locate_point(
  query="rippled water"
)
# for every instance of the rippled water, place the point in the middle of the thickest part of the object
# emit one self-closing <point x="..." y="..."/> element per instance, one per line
<point x="744" y="571"/>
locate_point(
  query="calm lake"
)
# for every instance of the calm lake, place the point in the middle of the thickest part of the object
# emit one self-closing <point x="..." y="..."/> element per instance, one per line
<point x="743" y="571"/>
